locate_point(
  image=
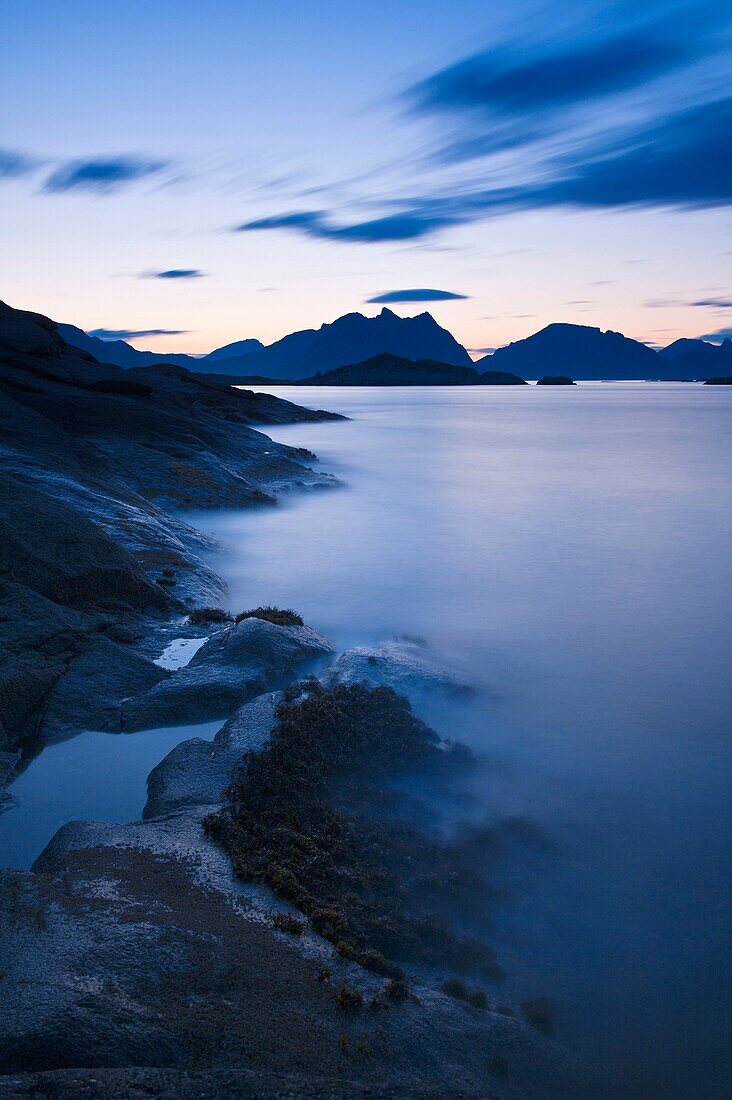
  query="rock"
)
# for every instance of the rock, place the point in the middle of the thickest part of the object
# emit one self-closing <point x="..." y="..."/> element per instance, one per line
<point x="403" y="665"/>
<point x="90" y="694"/>
<point x="195" y="772"/>
<point x="91" y="457"/>
<point x="132" y="946"/>
<point x="233" y="666"/>
<point x="555" y="380"/>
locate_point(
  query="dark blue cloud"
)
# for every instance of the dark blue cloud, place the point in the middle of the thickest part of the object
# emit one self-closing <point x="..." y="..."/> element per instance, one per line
<point x="416" y="296"/>
<point x="408" y="225"/>
<point x="13" y="164"/>
<point x="713" y="303"/>
<point x="175" y="273"/>
<point x="134" y="333"/>
<point x="718" y="336"/>
<point x="102" y="176"/>
<point x="545" y="76"/>
<point x="683" y="160"/>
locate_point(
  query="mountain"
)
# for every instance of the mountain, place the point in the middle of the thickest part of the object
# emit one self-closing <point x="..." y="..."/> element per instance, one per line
<point x="122" y="354"/>
<point x="350" y="339"/>
<point x="686" y="347"/>
<point x="237" y="349"/>
<point x="577" y="351"/>
<point x="353" y="339"/>
<point x="696" y="359"/>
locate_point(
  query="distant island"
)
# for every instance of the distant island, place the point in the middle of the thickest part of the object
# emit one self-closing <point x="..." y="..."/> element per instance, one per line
<point x="395" y="370"/>
<point x="311" y="356"/>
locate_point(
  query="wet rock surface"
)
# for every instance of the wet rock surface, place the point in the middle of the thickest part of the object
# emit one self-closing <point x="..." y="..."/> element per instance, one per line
<point x="133" y="951"/>
<point x="403" y="664"/>
<point x="91" y="558"/>
<point x="233" y="666"/>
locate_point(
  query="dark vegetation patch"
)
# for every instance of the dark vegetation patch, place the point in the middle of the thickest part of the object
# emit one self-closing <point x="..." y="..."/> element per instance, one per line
<point x="499" y="1066"/>
<point x="285" y="922"/>
<point x="276" y="615"/>
<point x="456" y="988"/>
<point x="204" y="616"/>
<point x="538" y="1013"/>
<point x="310" y="816"/>
<point x="350" y="1000"/>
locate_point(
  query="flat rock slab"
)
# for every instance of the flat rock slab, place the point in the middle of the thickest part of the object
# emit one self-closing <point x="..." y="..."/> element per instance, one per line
<point x="132" y="947"/>
<point x="232" y="667"/>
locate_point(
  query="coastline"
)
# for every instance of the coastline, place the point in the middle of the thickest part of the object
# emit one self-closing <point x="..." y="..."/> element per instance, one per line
<point x="117" y="925"/>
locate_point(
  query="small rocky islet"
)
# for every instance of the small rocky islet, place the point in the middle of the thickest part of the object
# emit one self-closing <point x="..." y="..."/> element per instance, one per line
<point x="285" y="919"/>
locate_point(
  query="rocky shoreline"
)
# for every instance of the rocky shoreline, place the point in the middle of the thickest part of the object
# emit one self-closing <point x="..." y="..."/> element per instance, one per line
<point x="133" y="960"/>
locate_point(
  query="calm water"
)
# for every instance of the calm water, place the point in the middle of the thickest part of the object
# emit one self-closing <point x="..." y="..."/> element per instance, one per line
<point x="569" y="549"/>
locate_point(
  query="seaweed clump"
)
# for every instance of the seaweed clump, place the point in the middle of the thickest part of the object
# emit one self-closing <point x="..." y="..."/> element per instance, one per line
<point x="309" y="815"/>
<point x="203" y="616"/>
<point x="276" y="615"/>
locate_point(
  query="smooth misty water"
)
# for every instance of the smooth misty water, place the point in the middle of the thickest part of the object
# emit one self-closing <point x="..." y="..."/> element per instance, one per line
<point x="569" y="549"/>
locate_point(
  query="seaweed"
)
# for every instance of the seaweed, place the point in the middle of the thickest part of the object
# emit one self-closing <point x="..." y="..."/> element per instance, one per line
<point x="203" y="616"/>
<point x="276" y="615"/>
<point x="302" y="817"/>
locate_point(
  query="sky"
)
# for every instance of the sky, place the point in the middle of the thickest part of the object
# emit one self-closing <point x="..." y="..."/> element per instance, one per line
<point x="195" y="174"/>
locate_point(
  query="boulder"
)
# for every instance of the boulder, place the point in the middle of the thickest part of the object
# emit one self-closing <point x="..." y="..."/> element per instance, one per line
<point x="403" y="665"/>
<point x="195" y="772"/>
<point x="232" y="667"/>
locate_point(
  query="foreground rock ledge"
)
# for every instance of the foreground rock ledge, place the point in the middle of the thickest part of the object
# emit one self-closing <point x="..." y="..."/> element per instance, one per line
<point x="132" y="948"/>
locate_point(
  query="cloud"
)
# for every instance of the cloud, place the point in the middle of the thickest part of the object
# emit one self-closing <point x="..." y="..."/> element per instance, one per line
<point x="515" y="81"/>
<point x="515" y="94"/>
<point x="416" y="296"/>
<point x="713" y="303"/>
<point x="718" y="336"/>
<point x="175" y="273"/>
<point x="102" y="176"/>
<point x="704" y="303"/>
<point x="408" y="225"/>
<point x="134" y="333"/>
<point x="681" y="160"/>
<point x="13" y="164"/>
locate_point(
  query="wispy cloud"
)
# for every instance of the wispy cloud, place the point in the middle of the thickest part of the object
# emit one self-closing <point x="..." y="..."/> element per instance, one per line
<point x="14" y="165"/>
<point x="102" y="176"/>
<point x="423" y="295"/>
<point x="718" y="336"/>
<point x="713" y="303"/>
<point x="408" y="225"/>
<point x="588" y="120"/>
<point x="702" y="303"/>
<point x="134" y="333"/>
<point x="175" y="273"/>
<point x="488" y="93"/>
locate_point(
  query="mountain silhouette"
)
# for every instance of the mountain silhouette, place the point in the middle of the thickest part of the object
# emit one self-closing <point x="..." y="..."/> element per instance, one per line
<point x="350" y="339"/>
<point x="122" y="354"/>
<point x="353" y="339"/>
<point x="696" y="359"/>
<point x="576" y="351"/>
<point x="234" y="351"/>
